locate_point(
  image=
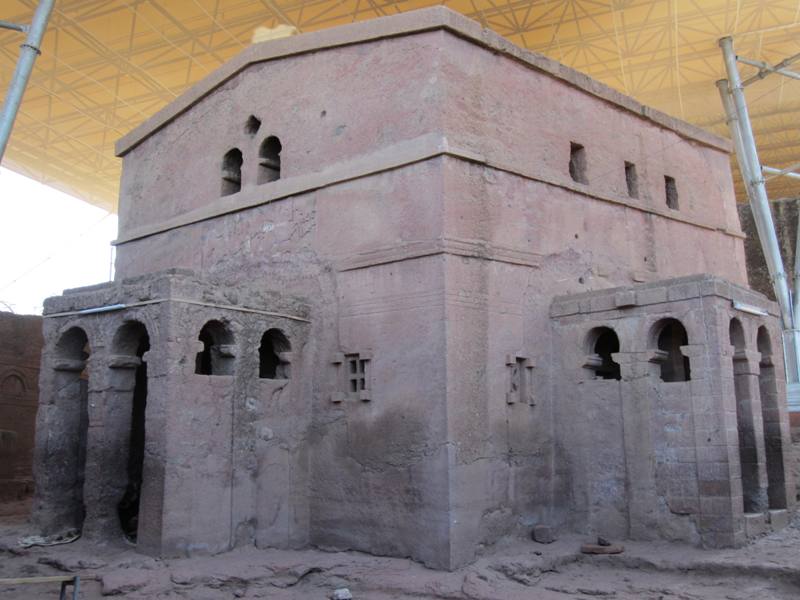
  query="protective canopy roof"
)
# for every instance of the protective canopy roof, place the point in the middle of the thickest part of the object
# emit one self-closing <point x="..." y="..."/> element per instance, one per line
<point x="107" y="65"/>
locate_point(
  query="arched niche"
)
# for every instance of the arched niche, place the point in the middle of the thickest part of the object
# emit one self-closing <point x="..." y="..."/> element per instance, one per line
<point x="232" y="172"/>
<point x="216" y="356"/>
<point x="668" y="336"/>
<point x="269" y="160"/>
<point x="601" y="343"/>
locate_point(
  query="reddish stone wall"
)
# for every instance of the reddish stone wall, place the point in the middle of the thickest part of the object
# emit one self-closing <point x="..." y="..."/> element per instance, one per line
<point x="19" y="392"/>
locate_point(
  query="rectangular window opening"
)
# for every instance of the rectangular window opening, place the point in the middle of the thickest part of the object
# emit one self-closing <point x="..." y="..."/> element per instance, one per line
<point x="357" y="375"/>
<point x="577" y="163"/>
<point x="671" y="191"/>
<point x="631" y="180"/>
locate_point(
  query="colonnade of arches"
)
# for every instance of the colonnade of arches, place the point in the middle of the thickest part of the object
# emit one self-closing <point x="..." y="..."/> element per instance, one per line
<point x="217" y="358"/>
<point x="71" y="384"/>
<point x="126" y="394"/>
<point x="755" y="387"/>
<point x="668" y="336"/>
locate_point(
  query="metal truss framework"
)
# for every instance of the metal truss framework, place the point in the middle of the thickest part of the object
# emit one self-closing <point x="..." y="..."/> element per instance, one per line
<point x="107" y="65"/>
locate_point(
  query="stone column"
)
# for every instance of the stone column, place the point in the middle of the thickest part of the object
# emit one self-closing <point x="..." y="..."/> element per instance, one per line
<point x="60" y="435"/>
<point x="162" y="358"/>
<point x="637" y="371"/>
<point x="716" y="440"/>
<point x="110" y="411"/>
<point x="752" y="452"/>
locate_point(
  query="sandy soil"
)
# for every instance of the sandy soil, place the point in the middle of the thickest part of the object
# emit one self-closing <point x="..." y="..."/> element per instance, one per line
<point x="768" y="568"/>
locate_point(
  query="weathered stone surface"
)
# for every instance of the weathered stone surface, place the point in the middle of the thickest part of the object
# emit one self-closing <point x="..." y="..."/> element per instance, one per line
<point x="755" y="524"/>
<point x="438" y="313"/>
<point x="778" y="519"/>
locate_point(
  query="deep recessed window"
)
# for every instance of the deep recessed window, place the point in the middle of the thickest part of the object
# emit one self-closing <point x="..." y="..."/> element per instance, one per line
<point x="674" y="365"/>
<point x="232" y="172"/>
<point x="631" y="180"/>
<point x="356" y="373"/>
<point x="577" y="163"/>
<point x="216" y="357"/>
<point x="603" y="343"/>
<point x="269" y="160"/>
<point x="272" y="363"/>
<point x="671" y="191"/>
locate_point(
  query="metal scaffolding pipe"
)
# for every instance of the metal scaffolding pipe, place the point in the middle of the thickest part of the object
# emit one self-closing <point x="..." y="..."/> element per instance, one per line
<point x="787" y="172"/>
<point x="742" y="133"/>
<point x="19" y="81"/>
<point x="13" y="26"/>
<point x="765" y="69"/>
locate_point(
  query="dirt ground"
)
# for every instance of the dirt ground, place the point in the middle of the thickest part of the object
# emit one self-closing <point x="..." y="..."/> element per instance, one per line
<point x="768" y="568"/>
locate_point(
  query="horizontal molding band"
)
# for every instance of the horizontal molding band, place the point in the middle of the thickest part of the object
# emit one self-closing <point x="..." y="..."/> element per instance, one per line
<point x="397" y="156"/>
<point x="99" y="310"/>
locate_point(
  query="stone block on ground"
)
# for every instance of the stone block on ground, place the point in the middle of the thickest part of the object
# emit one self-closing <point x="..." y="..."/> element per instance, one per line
<point x="543" y="534"/>
<point x="755" y="524"/>
<point x="778" y="518"/>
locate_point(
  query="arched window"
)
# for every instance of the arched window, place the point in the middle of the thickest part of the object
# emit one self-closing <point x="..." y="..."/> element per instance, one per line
<point x="270" y="364"/>
<point x="736" y="334"/>
<point x="131" y="339"/>
<point x="232" y="172"/>
<point x="671" y="335"/>
<point x="269" y="160"/>
<point x="73" y="345"/>
<point x="216" y="357"/>
<point x="603" y="342"/>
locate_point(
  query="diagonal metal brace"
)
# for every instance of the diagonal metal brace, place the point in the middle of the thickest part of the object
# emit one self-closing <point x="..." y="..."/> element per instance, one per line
<point x="765" y="69"/>
<point x="14" y="26"/>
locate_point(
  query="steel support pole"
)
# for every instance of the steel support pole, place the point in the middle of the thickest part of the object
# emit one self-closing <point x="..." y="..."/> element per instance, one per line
<point x="742" y="133"/>
<point x="19" y="81"/>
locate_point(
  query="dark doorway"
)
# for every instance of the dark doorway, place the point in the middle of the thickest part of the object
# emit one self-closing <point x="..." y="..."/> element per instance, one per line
<point x="132" y="340"/>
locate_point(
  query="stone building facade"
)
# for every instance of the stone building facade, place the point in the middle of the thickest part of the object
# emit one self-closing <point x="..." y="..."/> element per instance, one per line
<point x="20" y="356"/>
<point x="405" y="288"/>
<point x="785" y="213"/>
